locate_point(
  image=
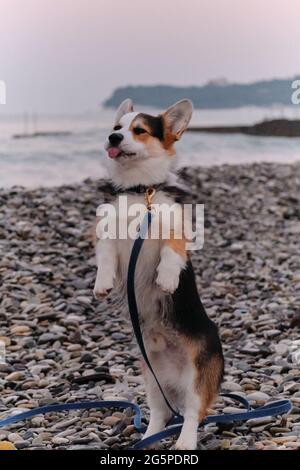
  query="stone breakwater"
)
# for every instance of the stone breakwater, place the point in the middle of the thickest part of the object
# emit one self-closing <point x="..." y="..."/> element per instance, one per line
<point x="61" y="345"/>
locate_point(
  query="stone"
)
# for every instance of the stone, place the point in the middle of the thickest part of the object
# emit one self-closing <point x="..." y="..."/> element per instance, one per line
<point x="22" y="444"/>
<point x="5" y="340"/>
<point x="86" y="357"/>
<point x="232" y="387"/>
<point x="258" y="396"/>
<point x="20" y="330"/>
<point x="225" y="444"/>
<point x="111" y="420"/>
<point x="130" y="429"/>
<point x="60" y="440"/>
<point x="4" y="445"/>
<point x="14" y="437"/>
<point x="15" y="376"/>
<point x="281" y="349"/>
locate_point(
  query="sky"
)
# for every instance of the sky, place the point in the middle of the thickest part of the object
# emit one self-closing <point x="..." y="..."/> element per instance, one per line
<point x="69" y="55"/>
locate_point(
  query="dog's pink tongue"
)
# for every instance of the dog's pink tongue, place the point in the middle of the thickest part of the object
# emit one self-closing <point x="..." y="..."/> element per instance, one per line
<point x="113" y="152"/>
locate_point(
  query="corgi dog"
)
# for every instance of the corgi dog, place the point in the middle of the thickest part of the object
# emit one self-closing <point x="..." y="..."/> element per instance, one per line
<point x="182" y="343"/>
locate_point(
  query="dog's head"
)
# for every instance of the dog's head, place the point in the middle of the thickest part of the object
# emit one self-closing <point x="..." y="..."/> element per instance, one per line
<point x="137" y="136"/>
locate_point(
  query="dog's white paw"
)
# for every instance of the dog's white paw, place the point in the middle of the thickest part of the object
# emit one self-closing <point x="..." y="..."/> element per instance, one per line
<point x="102" y="289"/>
<point x="185" y="444"/>
<point x="167" y="280"/>
<point x="99" y="295"/>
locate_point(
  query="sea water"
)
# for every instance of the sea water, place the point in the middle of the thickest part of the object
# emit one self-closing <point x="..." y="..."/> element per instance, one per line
<point x="62" y="159"/>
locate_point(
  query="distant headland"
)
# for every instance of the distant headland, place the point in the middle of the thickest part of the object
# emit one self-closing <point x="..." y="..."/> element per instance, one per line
<point x="215" y="94"/>
<point x="272" y="128"/>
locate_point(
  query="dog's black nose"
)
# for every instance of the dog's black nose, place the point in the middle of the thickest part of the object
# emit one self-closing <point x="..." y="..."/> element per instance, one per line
<point x="115" y="138"/>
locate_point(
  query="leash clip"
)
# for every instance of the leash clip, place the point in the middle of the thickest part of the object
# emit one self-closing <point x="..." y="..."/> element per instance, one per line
<point x="149" y="195"/>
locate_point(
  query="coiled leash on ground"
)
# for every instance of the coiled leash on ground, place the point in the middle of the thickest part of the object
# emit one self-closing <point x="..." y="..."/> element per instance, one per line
<point x="175" y="424"/>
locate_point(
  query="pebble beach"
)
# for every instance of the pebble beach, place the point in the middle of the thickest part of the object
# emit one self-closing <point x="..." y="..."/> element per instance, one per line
<point x="60" y="345"/>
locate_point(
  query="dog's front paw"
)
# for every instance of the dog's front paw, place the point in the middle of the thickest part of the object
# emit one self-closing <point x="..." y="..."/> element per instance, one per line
<point x="101" y="294"/>
<point x="167" y="280"/>
<point x="102" y="288"/>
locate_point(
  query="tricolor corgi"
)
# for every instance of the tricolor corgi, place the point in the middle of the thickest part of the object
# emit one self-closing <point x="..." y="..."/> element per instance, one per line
<point x="182" y="343"/>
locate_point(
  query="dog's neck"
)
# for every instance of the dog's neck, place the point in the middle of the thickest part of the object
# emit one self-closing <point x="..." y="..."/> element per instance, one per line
<point x="147" y="172"/>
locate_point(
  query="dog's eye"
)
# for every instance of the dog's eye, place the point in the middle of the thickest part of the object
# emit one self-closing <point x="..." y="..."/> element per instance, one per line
<point x="139" y="130"/>
<point x="117" y="127"/>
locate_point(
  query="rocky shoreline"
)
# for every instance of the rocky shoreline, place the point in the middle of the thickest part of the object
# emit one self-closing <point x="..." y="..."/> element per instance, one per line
<point x="273" y="128"/>
<point x="63" y="346"/>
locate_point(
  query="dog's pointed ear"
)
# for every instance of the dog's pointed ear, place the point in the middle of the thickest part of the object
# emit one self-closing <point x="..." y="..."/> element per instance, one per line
<point x="125" y="107"/>
<point x="177" y="117"/>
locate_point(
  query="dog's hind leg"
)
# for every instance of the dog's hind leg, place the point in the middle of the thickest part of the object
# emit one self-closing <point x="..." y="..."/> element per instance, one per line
<point x="202" y="385"/>
<point x="188" y="436"/>
<point x="159" y="411"/>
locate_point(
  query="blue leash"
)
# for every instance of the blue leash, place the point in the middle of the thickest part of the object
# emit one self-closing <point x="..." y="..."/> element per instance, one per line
<point x="133" y="310"/>
<point x="174" y="426"/>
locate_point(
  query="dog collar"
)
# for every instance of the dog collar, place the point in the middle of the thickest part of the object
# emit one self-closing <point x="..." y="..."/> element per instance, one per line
<point x="141" y="188"/>
<point x="177" y="191"/>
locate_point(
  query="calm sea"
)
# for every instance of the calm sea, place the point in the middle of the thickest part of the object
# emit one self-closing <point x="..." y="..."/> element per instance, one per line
<point x="52" y="161"/>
